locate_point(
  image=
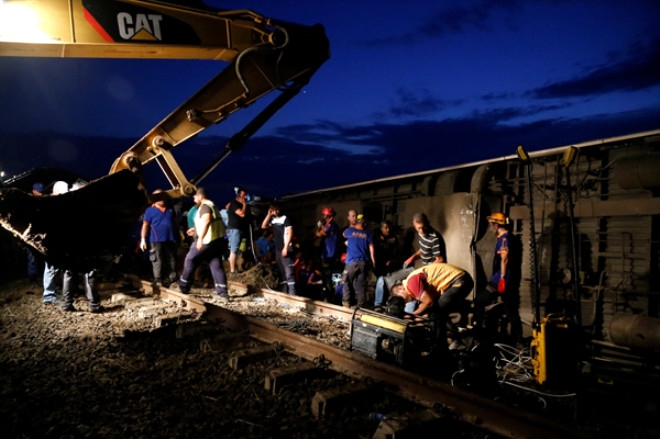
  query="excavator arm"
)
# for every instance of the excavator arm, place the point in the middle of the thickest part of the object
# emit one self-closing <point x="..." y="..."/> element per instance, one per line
<point x="263" y="55"/>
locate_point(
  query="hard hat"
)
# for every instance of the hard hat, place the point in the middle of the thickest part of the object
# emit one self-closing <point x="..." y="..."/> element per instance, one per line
<point x="498" y="218"/>
<point x="329" y="211"/>
<point x="60" y="187"/>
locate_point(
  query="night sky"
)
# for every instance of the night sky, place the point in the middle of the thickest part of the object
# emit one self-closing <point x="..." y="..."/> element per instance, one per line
<point x="410" y="86"/>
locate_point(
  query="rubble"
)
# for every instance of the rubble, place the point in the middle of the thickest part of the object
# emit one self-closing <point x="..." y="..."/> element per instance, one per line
<point x="121" y="373"/>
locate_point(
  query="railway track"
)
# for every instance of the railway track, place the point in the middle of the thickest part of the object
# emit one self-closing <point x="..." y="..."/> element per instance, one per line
<point x="437" y="402"/>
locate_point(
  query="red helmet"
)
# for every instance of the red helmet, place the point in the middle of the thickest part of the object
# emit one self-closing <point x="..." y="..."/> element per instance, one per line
<point x="329" y="211"/>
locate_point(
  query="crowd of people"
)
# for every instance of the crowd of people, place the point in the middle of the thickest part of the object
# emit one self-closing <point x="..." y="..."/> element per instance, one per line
<point x="359" y="266"/>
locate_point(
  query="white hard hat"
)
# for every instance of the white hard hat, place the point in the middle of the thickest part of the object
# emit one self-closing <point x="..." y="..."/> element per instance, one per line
<point x="60" y="187"/>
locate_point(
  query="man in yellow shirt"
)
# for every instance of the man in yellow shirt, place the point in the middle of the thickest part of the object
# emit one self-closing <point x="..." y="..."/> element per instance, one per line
<point x="208" y="245"/>
<point x="438" y="289"/>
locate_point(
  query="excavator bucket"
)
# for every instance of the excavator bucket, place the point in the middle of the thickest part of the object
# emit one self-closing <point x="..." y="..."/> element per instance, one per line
<point x="81" y="229"/>
<point x="86" y="227"/>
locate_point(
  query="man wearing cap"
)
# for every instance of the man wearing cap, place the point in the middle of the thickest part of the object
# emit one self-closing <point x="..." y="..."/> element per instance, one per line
<point x="38" y="189"/>
<point x="504" y="281"/>
<point x="161" y="229"/>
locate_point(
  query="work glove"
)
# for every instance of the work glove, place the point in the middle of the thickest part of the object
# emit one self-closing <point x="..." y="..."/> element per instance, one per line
<point x="501" y="286"/>
<point x="143" y="244"/>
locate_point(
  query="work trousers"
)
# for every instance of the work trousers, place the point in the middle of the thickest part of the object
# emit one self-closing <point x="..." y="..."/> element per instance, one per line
<point x="50" y="277"/>
<point x="451" y="300"/>
<point x="355" y="277"/>
<point x="69" y="286"/>
<point x="163" y="254"/>
<point x="287" y="273"/>
<point x="212" y="253"/>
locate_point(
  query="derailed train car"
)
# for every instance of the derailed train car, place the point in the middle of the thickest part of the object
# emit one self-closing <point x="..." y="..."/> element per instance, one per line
<point x="595" y="224"/>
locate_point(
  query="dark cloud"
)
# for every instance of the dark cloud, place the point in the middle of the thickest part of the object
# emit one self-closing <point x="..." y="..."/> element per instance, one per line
<point x="458" y="18"/>
<point x="639" y="70"/>
<point x="492" y="97"/>
<point x="310" y="157"/>
<point x="418" y="103"/>
<point x="422" y="146"/>
<point x="451" y="20"/>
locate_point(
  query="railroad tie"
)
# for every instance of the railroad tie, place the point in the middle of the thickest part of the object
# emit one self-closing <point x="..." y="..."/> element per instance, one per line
<point x="332" y="400"/>
<point x="412" y="425"/>
<point x="248" y="356"/>
<point x="276" y="378"/>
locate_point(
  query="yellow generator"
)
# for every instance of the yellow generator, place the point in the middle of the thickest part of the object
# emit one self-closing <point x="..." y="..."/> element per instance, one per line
<point x="403" y="342"/>
<point x="555" y="351"/>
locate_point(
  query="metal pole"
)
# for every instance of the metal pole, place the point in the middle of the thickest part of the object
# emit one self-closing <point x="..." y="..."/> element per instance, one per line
<point x="536" y="290"/>
<point x="569" y="155"/>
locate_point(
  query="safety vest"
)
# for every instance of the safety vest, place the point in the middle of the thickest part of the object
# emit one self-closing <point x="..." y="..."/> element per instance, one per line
<point x="216" y="227"/>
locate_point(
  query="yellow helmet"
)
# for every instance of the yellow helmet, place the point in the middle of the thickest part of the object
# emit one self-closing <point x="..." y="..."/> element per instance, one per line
<point x="498" y="218"/>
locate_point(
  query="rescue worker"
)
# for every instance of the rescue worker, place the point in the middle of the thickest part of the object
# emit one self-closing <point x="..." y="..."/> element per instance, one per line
<point x="328" y="232"/>
<point x="438" y="288"/>
<point x="360" y="260"/>
<point x="504" y="281"/>
<point x="208" y="244"/>
<point x="160" y="228"/>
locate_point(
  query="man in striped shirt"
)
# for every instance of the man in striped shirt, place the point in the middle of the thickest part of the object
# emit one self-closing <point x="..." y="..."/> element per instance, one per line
<point x="431" y="245"/>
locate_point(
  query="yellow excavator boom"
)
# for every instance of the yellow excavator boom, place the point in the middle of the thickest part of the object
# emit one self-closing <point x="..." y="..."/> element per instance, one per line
<point x="263" y="55"/>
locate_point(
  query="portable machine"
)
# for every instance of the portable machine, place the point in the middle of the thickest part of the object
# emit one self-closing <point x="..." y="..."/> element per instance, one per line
<point x="404" y="342"/>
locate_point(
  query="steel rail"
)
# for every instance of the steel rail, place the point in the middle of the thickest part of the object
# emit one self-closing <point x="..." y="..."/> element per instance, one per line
<point x="466" y="406"/>
<point x="312" y="307"/>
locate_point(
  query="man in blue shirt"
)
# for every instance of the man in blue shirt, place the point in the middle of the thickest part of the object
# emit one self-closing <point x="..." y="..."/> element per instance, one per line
<point x="360" y="260"/>
<point x="328" y="232"/>
<point x="160" y="224"/>
<point x="504" y="281"/>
